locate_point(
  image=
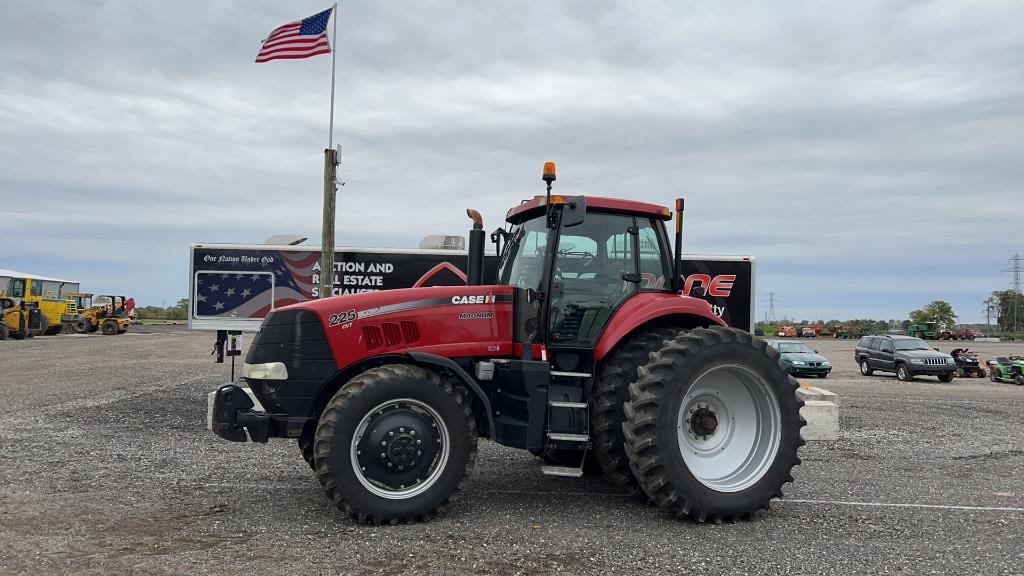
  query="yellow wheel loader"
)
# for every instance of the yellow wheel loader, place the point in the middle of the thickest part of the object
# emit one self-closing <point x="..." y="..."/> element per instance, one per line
<point x="19" y="319"/>
<point x="105" y="313"/>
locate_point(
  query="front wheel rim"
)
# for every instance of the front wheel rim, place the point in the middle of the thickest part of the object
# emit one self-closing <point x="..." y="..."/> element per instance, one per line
<point x="729" y="428"/>
<point x="400" y="449"/>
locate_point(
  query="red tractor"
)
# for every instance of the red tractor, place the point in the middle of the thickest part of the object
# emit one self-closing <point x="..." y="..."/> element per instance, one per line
<point x="578" y="351"/>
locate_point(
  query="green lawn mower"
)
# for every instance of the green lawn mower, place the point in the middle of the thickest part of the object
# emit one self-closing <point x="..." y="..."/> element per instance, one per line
<point x="1007" y="369"/>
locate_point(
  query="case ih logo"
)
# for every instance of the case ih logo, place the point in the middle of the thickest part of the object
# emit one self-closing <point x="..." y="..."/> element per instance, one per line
<point x="481" y="299"/>
<point x="719" y="286"/>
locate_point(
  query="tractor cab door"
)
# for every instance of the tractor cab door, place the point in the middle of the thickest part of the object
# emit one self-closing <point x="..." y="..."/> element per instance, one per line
<point x="597" y="266"/>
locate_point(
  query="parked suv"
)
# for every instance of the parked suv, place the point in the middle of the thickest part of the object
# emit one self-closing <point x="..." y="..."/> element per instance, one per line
<point x="904" y="355"/>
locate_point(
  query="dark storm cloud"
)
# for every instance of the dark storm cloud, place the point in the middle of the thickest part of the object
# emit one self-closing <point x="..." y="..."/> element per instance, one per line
<point x="868" y="154"/>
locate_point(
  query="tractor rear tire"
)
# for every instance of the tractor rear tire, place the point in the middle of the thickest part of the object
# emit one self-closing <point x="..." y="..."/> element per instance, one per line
<point x="82" y="326"/>
<point x="306" y="448"/>
<point x="960" y="373"/>
<point x="110" y="328"/>
<point x="435" y="420"/>
<point x="993" y="375"/>
<point x="617" y="372"/>
<point x="733" y="460"/>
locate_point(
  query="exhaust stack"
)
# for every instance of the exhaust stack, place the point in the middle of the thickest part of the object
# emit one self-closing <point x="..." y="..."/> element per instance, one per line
<point x="475" y="265"/>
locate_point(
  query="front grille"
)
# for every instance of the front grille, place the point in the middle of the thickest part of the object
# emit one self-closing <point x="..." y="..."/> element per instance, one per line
<point x="295" y="338"/>
<point x="935" y="361"/>
<point x="814" y="364"/>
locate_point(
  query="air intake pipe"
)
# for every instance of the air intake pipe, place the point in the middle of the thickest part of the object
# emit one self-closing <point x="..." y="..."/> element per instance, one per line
<point x="475" y="266"/>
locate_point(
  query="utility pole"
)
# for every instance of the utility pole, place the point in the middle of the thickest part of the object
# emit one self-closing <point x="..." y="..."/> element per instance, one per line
<point x="327" y="240"/>
<point x="990" y="306"/>
<point x="1017" y="269"/>
<point x="769" y="313"/>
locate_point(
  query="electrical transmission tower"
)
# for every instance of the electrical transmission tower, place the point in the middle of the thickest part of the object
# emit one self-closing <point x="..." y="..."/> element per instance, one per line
<point x="1017" y="269"/>
<point x="769" y="313"/>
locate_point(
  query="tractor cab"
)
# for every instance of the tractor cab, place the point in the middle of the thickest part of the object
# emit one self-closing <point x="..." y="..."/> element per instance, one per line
<point x="573" y="275"/>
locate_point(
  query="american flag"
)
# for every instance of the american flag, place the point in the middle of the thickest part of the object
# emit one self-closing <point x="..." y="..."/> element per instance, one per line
<point x="237" y="291"/>
<point x="301" y="39"/>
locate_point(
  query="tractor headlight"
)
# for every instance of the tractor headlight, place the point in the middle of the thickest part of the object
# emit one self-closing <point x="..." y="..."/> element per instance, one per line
<point x="265" y="371"/>
<point x="917" y="360"/>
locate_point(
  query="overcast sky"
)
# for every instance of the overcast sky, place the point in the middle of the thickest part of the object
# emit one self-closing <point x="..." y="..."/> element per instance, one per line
<point x="869" y="154"/>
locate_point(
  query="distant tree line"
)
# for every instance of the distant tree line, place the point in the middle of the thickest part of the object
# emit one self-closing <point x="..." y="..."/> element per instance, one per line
<point x="177" y="312"/>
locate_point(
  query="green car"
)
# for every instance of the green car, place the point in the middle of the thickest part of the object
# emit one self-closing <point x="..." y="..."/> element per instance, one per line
<point x="1007" y="369"/>
<point x="801" y="359"/>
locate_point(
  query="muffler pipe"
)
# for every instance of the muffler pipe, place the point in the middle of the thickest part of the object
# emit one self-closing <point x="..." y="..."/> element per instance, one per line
<point x="477" y="236"/>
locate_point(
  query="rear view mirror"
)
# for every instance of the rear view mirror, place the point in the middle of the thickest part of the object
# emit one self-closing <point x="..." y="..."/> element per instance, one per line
<point x="573" y="211"/>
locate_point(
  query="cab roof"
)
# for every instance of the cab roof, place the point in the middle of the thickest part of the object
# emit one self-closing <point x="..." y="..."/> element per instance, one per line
<point x="531" y="208"/>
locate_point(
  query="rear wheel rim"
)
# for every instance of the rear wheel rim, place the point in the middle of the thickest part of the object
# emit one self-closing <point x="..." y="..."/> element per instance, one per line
<point x="745" y="428"/>
<point x="410" y="436"/>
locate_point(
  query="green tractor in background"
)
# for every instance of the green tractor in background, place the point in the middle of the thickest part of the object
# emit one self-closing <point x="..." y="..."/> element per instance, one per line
<point x="924" y="330"/>
<point x="1009" y="369"/>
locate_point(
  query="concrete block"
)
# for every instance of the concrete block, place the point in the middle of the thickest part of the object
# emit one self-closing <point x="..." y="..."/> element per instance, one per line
<point x="822" y="420"/>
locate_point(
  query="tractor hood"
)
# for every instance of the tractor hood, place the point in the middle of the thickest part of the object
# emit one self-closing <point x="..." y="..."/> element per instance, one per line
<point x="349" y="308"/>
<point x="443" y="320"/>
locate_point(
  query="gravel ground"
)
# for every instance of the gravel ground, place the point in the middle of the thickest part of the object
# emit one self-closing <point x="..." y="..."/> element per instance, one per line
<point x="106" y="468"/>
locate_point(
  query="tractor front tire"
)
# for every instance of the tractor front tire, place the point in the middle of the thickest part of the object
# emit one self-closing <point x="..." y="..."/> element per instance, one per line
<point x="395" y="444"/>
<point x="4" y="332"/>
<point x="617" y="372"/>
<point x="82" y="326"/>
<point x="994" y="375"/>
<point x="110" y="328"/>
<point x="1018" y="380"/>
<point x="713" y="425"/>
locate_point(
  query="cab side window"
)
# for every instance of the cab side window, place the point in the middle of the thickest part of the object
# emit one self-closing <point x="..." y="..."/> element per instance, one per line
<point x="17" y="288"/>
<point x="37" y="289"/>
<point x="653" y="269"/>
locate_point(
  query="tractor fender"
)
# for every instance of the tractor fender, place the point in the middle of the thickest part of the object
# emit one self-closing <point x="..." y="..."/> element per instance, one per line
<point x="654" y="307"/>
<point x="430" y="361"/>
<point x="424" y="358"/>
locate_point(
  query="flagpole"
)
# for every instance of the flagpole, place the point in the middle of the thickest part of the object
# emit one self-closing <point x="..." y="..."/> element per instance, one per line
<point x="330" y="186"/>
<point x="334" y="59"/>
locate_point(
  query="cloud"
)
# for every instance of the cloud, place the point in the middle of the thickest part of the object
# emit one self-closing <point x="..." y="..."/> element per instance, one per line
<point x="848" y="148"/>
